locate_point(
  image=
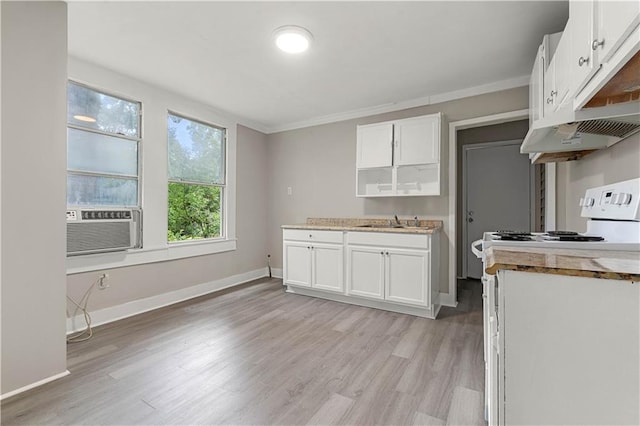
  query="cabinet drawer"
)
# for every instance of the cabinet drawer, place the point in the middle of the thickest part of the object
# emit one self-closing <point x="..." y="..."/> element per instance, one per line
<point x="384" y="239"/>
<point x="313" y="235"/>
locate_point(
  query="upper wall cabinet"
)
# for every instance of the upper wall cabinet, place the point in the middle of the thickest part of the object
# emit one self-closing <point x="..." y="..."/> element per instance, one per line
<point x="399" y="158"/>
<point x="585" y="81"/>
<point x="597" y="30"/>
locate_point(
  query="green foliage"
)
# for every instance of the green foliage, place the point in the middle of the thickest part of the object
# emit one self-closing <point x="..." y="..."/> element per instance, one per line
<point x="194" y="212"/>
<point x="195" y="151"/>
<point x="195" y="156"/>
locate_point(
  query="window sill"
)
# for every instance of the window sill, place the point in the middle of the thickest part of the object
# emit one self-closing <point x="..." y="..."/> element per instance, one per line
<point x="119" y="259"/>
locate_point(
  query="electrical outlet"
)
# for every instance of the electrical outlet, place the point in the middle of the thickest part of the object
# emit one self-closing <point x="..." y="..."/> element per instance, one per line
<point x="102" y="285"/>
<point x="289" y="190"/>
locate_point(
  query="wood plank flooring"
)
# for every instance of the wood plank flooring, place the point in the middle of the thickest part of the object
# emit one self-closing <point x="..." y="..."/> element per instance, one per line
<point x="257" y="355"/>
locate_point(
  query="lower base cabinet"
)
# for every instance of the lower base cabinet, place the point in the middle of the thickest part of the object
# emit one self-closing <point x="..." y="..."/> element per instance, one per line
<point x="314" y="260"/>
<point x="389" y="271"/>
<point x="389" y="274"/>
<point x="566" y="352"/>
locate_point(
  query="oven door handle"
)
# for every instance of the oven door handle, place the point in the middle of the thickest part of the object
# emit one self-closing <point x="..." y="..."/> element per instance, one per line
<point x="475" y="248"/>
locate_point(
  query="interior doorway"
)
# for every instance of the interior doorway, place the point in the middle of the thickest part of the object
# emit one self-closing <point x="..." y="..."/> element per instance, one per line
<point x="482" y="133"/>
<point x="497" y="194"/>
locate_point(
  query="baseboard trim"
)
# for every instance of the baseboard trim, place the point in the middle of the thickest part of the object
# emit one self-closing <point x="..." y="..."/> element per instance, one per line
<point x="125" y="310"/>
<point x="276" y="272"/>
<point x="448" y="299"/>
<point x="424" y="312"/>
<point x="34" y="385"/>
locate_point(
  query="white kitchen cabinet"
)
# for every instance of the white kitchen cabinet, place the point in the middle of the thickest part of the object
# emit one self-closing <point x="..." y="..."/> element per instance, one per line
<point x="366" y="267"/>
<point x="396" y="275"/>
<point x="582" y="56"/>
<point x="407" y="276"/>
<point x="297" y="263"/>
<point x="374" y="145"/>
<point x="384" y="270"/>
<point x="536" y="86"/>
<point x="314" y="259"/>
<point x="327" y="268"/>
<point x="557" y="77"/>
<point x="567" y="350"/>
<point x="417" y="140"/>
<point x="615" y="21"/>
<point x="399" y="158"/>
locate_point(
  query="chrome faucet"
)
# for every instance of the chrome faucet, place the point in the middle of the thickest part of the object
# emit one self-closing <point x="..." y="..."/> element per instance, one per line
<point x="397" y="220"/>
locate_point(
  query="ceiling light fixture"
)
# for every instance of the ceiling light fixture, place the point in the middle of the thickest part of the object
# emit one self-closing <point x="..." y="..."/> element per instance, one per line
<point x="292" y="39"/>
<point x="85" y="118"/>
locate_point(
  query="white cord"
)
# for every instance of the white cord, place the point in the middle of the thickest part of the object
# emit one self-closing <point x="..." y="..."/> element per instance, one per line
<point x="76" y="338"/>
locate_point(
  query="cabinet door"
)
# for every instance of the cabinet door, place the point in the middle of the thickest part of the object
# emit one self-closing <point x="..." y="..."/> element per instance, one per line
<point x="549" y="88"/>
<point x="616" y="19"/>
<point x="536" y="88"/>
<point x="374" y="145"/>
<point x="366" y="272"/>
<point x="417" y="141"/>
<point x="581" y="25"/>
<point x="327" y="267"/>
<point x="297" y="264"/>
<point x="407" y="276"/>
<point x="562" y="70"/>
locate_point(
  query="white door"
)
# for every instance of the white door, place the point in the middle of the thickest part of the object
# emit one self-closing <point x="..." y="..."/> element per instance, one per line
<point x="366" y="272"/>
<point x="407" y="276"/>
<point x="327" y="269"/>
<point x="417" y="141"/>
<point x="297" y="264"/>
<point x="374" y="145"/>
<point x="498" y="194"/>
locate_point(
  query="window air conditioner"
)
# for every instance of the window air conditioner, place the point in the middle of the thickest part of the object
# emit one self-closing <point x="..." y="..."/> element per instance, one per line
<point x="95" y="230"/>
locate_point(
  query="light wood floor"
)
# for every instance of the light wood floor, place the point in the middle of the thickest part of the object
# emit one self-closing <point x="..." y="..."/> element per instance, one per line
<point x="256" y="355"/>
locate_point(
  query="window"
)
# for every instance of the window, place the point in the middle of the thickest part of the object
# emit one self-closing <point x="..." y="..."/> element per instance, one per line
<point x="103" y="136"/>
<point x="196" y="189"/>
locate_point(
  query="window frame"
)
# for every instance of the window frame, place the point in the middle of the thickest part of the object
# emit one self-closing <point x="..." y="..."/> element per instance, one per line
<point x="137" y="139"/>
<point x="223" y="186"/>
<point x="156" y="101"/>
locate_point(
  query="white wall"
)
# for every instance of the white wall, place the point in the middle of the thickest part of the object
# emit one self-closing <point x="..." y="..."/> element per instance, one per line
<point x="319" y="164"/>
<point x="132" y="283"/>
<point x="34" y="74"/>
<point x="617" y="163"/>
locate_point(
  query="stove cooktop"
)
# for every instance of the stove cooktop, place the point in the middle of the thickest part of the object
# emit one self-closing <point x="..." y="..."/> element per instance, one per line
<point x="547" y="236"/>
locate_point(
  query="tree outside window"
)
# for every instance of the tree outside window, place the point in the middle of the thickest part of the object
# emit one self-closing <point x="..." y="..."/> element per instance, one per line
<point x="196" y="179"/>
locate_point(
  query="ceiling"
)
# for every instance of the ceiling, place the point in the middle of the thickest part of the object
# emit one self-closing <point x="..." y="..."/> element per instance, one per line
<point x="366" y="56"/>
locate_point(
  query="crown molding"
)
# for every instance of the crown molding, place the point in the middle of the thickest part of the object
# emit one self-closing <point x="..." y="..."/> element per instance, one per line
<point x="397" y="106"/>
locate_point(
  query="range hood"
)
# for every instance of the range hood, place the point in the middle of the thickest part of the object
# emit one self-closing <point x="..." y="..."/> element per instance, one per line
<point x="586" y="129"/>
<point x="611" y="115"/>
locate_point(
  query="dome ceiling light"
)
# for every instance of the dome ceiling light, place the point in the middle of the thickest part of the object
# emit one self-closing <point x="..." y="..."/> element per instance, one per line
<point x="292" y="39"/>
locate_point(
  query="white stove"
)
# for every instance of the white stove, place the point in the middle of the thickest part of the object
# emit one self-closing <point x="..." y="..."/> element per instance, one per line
<point x="614" y="224"/>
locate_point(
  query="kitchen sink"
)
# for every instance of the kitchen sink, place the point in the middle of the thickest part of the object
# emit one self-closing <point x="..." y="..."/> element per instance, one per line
<point x="369" y="225"/>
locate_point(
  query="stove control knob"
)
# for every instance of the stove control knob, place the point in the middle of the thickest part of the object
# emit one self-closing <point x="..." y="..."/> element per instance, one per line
<point x="587" y="202"/>
<point x="624" y="198"/>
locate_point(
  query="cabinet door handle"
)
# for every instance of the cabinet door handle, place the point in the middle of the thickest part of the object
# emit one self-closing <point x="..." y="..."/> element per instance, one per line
<point x="382" y="253"/>
<point x="387" y="253"/>
<point x="554" y="92"/>
<point x="582" y="61"/>
<point x="597" y="43"/>
<point x="549" y="100"/>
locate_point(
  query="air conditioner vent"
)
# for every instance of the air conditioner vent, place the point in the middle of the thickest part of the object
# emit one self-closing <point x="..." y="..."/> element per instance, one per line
<point x="619" y="129"/>
<point x="100" y="230"/>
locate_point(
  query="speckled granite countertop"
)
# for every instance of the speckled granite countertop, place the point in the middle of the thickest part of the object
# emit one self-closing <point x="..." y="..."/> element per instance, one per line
<point x="608" y="264"/>
<point x="356" y="224"/>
